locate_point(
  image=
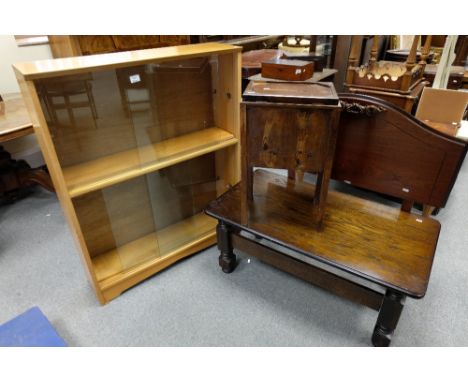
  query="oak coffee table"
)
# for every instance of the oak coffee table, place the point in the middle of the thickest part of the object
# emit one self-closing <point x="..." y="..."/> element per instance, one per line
<point x="370" y="253"/>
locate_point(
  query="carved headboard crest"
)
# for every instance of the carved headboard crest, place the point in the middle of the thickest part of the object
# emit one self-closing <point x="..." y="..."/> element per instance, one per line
<point x="357" y="108"/>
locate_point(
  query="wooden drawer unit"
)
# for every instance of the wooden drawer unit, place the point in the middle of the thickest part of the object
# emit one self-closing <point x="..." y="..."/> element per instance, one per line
<point x="137" y="145"/>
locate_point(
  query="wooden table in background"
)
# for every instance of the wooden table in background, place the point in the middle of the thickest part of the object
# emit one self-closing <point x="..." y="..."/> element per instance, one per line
<point x="15" y="121"/>
<point x="17" y="175"/>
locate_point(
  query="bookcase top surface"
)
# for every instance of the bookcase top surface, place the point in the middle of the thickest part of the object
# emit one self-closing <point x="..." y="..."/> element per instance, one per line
<point x="81" y="64"/>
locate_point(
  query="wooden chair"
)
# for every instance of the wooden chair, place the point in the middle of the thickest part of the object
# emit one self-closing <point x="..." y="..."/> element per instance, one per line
<point x="65" y="88"/>
<point x="135" y="88"/>
<point x="396" y="82"/>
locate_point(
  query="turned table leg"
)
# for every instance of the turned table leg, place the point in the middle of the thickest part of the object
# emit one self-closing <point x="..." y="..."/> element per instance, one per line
<point x="389" y="314"/>
<point x="227" y="258"/>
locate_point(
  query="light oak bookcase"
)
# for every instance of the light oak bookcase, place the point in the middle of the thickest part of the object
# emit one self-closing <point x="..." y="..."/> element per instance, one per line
<point x="137" y="143"/>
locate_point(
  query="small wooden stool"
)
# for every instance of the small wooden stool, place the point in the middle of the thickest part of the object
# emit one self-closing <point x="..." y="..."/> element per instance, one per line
<point x="290" y="126"/>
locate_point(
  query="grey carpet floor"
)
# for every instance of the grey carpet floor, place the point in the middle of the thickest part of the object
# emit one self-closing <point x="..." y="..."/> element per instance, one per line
<point x="194" y="304"/>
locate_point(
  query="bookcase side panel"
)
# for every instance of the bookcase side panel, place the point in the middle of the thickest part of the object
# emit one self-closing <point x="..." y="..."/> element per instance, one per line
<point x="32" y="102"/>
<point x="227" y="106"/>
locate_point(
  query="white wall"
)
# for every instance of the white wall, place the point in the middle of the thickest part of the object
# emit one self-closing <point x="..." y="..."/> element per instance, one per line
<point x="25" y="147"/>
<point x="11" y="53"/>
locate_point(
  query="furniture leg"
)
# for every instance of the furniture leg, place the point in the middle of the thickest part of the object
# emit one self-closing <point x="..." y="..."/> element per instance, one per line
<point x="246" y="184"/>
<point x="69" y="110"/>
<point x="407" y="205"/>
<point x="296" y="175"/>
<point x="249" y="183"/>
<point x="428" y="210"/>
<point x="38" y="176"/>
<point x="92" y="105"/>
<point x="50" y="107"/>
<point x="227" y="258"/>
<point x="16" y="176"/>
<point x="321" y="190"/>
<point x="323" y="177"/>
<point x="389" y="314"/>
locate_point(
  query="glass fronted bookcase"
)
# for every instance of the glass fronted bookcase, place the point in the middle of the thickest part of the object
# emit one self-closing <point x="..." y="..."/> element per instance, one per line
<point x="137" y="143"/>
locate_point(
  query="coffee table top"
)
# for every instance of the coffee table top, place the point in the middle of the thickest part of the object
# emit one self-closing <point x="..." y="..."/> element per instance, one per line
<point x="375" y="242"/>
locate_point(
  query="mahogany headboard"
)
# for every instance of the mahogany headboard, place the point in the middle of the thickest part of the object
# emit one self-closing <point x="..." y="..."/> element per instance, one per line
<point x="382" y="148"/>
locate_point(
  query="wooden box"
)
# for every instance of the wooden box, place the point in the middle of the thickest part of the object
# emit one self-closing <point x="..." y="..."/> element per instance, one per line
<point x="442" y="109"/>
<point x="288" y="70"/>
<point x="320" y="61"/>
<point x="137" y="145"/>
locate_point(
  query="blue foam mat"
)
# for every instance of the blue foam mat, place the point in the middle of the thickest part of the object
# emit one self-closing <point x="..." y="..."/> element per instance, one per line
<point x="31" y="328"/>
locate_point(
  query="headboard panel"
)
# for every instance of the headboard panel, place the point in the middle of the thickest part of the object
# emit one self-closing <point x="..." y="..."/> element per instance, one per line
<point x="382" y="148"/>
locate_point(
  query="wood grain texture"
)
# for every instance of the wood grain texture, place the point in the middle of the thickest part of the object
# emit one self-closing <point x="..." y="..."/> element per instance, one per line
<point x="14" y="121"/>
<point x="226" y="104"/>
<point x="294" y="136"/>
<point x="381" y="244"/>
<point x="114" y="216"/>
<point x="126" y="108"/>
<point x="404" y="101"/>
<point x="96" y="44"/>
<point x="84" y="64"/>
<point x="393" y="153"/>
<point x="181" y="96"/>
<point x="449" y="129"/>
<point x="183" y="190"/>
<point x="291" y="92"/>
<point x="136" y="42"/>
<point x="116" y="265"/>
<point x="252" y="60"/>
<point x="32" y="101"/>
<point x="113" y="286"/>
<point x="293" y="139"/>
<point x="113" y="223"/>
<point x="152" y="245"/>
<point x="311" y="274"/>
<point x="78" y="45"/>
<point x="125" y="165"/>
<point x="64" y="46"/>
<point x="287" y="70"/>
<point x="389" y="314"/>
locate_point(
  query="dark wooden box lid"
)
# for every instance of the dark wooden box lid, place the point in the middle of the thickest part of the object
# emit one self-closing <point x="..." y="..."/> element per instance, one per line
<point x="292" y="92"/>
<point x="283" y="62"/>
<point x="319" y="61"/>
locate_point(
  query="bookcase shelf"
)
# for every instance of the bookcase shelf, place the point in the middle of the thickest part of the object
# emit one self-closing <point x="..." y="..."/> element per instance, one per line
<point x="137" y="144"/>
<point x="156" y="250"/>
<point x="119" y="167"/>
